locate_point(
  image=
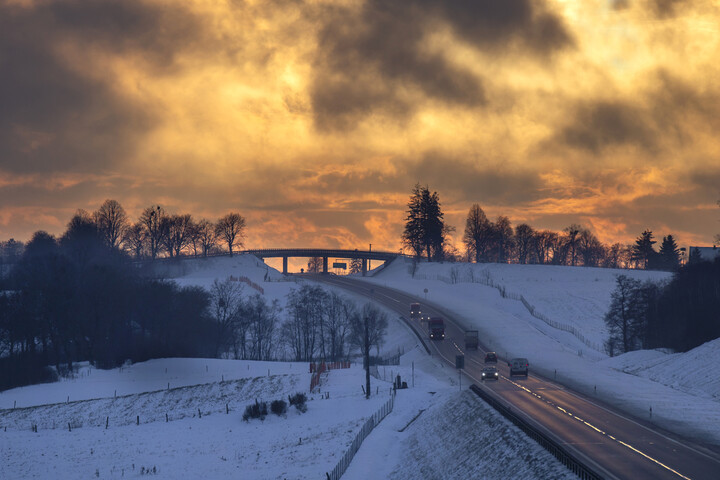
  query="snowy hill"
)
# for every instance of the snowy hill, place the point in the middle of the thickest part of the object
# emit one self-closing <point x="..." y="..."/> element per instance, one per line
<point x="689" y="372"/>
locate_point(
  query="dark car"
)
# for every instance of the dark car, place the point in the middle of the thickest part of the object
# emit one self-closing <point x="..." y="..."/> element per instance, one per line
<point x="490" y="357"/>
<point x="489" y="373"/>
<point x="519" y="366"/>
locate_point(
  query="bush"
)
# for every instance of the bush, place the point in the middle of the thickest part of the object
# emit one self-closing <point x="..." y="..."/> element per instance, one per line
<point x="278" y="407"/>
<point x="299" y="400"/>
<point x="255" y="410"/>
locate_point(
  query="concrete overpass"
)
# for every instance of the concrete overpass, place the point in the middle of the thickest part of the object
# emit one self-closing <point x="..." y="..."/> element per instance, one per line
<point x="286" y="253"/>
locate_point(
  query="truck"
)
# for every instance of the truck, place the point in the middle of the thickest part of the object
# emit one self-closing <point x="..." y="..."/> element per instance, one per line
<point x="472" y="339"/>
<point x="436" y="328"/>
<point x="415" y="311"/>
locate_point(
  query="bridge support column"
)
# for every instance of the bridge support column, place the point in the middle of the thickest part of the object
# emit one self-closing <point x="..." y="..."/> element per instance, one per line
<point x="364" y="267"/>
<point x="325" y="264"/>
<point x="285" y="265"/>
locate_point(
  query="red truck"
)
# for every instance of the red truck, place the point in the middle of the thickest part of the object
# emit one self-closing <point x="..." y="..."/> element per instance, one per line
<point x="436" y="328"/>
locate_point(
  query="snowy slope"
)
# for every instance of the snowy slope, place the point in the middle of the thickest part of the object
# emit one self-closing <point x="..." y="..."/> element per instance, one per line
<point x="506" y="325"/>
<point x="693" y="372"/>
<point x="212" y="445"/>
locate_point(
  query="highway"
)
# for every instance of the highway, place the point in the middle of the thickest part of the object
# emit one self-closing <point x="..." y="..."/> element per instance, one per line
<point x="611" y="442"/>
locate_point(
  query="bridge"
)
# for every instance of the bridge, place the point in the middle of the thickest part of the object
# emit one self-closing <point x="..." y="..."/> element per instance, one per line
<point x="286" y="253"/>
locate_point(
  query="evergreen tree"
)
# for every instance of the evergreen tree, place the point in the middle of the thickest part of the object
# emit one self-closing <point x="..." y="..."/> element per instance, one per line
<point x="643" y="252"/>
<point x="669" y="254"/>
<point x="425" y="229"/>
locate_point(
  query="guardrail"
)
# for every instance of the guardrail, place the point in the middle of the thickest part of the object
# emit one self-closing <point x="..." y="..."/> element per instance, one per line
<point x="574" y="464"/>
<point x="488" y="282"/>
<point x="371" y="423"/>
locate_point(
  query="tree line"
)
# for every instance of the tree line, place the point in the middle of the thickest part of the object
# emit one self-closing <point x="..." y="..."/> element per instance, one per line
<point x="79" y="297"/>
<point x="156" y="233"/>
<point x="317" y="324"/>
<point x="426" y="234"/>
<point x="75" y="298"/>
<point x="680" y="314"/>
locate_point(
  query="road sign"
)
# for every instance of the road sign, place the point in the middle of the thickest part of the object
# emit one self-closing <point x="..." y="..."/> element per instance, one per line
<point x="340" y="265"/>
<point x="459" y="361"/>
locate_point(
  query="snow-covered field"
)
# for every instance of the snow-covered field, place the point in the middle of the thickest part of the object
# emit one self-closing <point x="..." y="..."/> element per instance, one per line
<point x="409" y="443"/>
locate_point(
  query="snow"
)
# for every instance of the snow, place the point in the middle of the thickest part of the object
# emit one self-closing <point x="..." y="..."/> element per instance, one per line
<point x="568" y="302"/>
<point x="687" y="407"/>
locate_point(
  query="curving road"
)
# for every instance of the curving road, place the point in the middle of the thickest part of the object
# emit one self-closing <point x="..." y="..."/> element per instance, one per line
<point x="614" y="444"/>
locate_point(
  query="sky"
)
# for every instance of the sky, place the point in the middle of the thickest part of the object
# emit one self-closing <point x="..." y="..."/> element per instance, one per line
<point x="315" y="119"/>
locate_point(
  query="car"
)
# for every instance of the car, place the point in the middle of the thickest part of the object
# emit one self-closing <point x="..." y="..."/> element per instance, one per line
<point x="491" y="357"/>
<point x="519" y="366"/>
<point x="489" y="373"/>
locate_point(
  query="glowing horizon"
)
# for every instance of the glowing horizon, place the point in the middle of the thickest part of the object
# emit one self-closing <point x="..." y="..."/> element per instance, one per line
<point x="315" y="119"/>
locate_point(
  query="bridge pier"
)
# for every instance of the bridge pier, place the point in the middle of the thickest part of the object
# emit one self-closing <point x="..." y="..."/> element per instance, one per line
<point x="325" y="264"/>
<point x="364" y="267"/>
<point x="285" y="265"/>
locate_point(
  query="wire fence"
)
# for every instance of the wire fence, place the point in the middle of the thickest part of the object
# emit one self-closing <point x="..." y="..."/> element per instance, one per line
<point x="485" y="279"/>
<point x="368" y="427"/>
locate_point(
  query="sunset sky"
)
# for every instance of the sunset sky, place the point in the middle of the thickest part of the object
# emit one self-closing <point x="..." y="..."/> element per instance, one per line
<point x="315" y="119"/>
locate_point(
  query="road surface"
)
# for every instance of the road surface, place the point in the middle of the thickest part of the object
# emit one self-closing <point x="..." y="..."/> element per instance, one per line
<point x="615" y="444"/>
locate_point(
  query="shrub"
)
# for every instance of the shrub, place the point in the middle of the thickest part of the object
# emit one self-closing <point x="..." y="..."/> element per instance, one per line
<point x="299" y="400"/>
<point x="255" y="410"/>
<point x="278" y="407"/>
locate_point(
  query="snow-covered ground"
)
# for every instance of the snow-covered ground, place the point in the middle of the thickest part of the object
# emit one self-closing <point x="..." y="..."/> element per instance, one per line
<point x="409" y="443"/>
<point x="635" y="382"/>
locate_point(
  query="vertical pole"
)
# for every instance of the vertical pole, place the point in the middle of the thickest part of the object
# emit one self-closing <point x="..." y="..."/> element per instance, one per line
<point x="413" y="374"/>
<point x="367" y="358"/>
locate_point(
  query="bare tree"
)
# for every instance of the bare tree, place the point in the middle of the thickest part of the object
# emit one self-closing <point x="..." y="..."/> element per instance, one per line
<point x="205" y="236"/>
<point x="337" y="314"/>
<point x="303" y="331"/>
<point x="135" y="240"/>
<point x="261" y="320"/>
<point x="624" y="318"/>
<point x="524" y="237"/>
<point x="152" y="219"/>
<point x="356" y="265"/>
<point x="225" y="307"/>
<point x="502" y="239"/>
<point x="112" y="222"/>
<point x="177" y="233"/>
<point x="231" y="230"/>
<point x="590" y="248"/>
<point x="478" y="234"/>
<point x="544" y="245"/>
<point x="571" y="240"/>
<point x="315" y="265"/>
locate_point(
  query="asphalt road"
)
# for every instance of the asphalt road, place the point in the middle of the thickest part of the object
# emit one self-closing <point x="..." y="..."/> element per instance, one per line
<point x="617" y="445"/>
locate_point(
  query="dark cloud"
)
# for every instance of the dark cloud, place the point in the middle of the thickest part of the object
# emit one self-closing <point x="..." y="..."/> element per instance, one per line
<point x="458" y="179"/>
<point x="58" y="116"/>
<point x="596" y="126"/>
<point x="373" y="61"/>
<point x="668" y="114"/>
<point x="666" y="8"/>
<point x="620" y="4"/>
